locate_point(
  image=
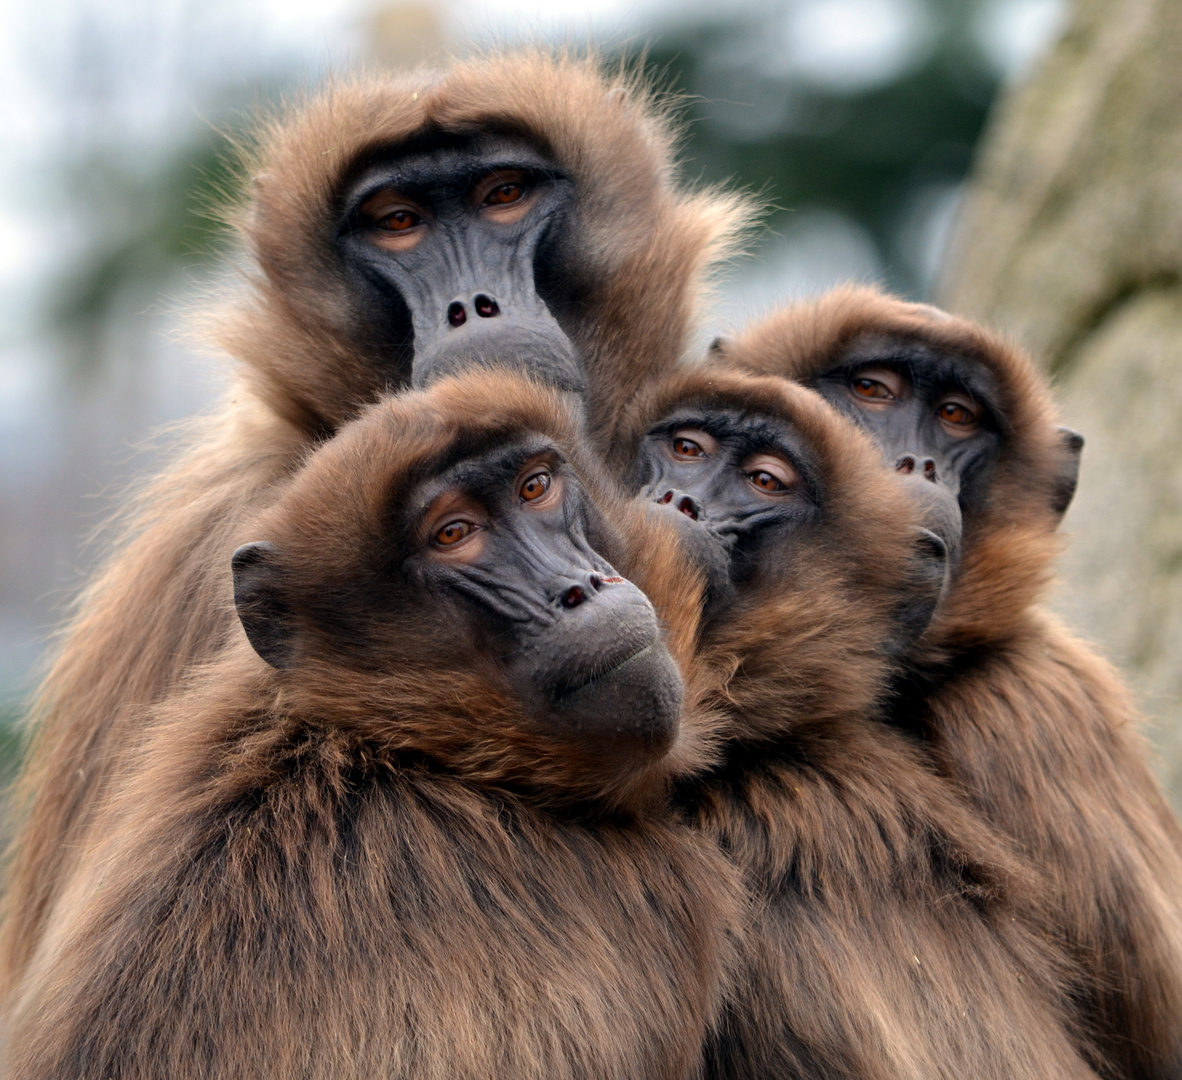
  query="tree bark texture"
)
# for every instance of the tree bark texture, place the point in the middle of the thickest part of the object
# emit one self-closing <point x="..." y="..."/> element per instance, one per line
<point x="1070" y="239"/>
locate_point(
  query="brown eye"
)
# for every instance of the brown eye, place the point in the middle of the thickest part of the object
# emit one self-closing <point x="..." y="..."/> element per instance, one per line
<point x="770" y="474"/>
<point x="535" y="487"/>
<point x="765" y="481"/>
<point x="399" y="221"/>
<point x="956" y="412"/>
<point x="687" y="448"/>
<point x="453" y="532"/>
<point x="505" y="194"/>
<point x="871" y="388"/>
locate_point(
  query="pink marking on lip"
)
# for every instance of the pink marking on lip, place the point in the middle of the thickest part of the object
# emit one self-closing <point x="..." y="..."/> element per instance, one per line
<point x="611" y="580"/>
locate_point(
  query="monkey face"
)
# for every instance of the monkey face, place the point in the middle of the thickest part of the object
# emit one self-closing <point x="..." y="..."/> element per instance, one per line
<point x="506" y="544"/>
<point x="934" y="418"/>
<point x="737" y="481"/>
<point x="448" y="243"/>
<point x="938" y="419"/>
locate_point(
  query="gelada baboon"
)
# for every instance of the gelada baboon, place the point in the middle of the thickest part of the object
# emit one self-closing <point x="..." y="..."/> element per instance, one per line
<point x="884" y="942"/>
<point x="1037" y="729"/>
<point x="518" y="208"/>
<point x="412" y="842"/>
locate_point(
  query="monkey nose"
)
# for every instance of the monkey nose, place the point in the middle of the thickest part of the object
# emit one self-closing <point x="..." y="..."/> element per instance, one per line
<point x="687" y="504"/>
<point x="925" y="466"/>
<point x="580" y="588"/>
<point x="484" y="305"/>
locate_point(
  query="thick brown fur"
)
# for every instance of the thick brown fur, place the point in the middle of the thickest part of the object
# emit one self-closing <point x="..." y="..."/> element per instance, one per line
<point x="385" y="869"/>
<point x="884" y="943"/>
<point x="1036" y="728"/>
<point x="159" y="604"/>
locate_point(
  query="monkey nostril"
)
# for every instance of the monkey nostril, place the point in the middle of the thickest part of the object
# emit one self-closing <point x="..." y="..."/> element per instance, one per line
<point x="929" y="470"/>
<point x="686" y="506"/>
<point x="456" y="315"/>
<point x="666" y="498"/>
<point x="486" y="306"/>
<point x="573" y="597"/>
<point x="905" y="464"/>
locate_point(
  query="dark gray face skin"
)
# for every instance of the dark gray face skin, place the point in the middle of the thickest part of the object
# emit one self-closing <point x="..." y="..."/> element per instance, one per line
<point x="504" y="544"/>
<point x="451" y="247"/>
<point x="932" y="416"/>
<point x="737" y="484"/>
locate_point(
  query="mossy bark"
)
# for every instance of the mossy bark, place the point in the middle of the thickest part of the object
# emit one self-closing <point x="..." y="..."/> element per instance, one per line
<point x="1070" y="239"/>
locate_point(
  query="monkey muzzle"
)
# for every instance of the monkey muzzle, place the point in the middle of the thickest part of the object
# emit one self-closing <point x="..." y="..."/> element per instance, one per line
<point x="601" y="669"/>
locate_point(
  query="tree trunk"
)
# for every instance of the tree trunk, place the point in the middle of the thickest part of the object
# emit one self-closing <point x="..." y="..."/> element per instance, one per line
<point x="1070" y="239"/>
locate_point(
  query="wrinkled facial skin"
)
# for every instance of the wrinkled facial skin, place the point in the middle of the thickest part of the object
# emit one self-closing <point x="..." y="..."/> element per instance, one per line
<point x="932" y="417"/>
<point x="509" y="540"/>
<point x="447" y="245"/>
<point x="735" y="483"/>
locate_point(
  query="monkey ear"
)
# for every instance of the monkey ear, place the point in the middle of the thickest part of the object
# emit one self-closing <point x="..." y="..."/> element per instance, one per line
<point x="925" y="583"/>
<point x="262" y="607"/>
<point x="1067" y="474"/>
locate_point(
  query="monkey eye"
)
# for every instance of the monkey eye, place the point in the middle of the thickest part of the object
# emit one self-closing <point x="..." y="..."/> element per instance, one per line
<point x="958" y="413"/>
<point x="534" y="487"/>
<point x="871" y="388"/>
<point x="503" y="195"/>
<point x="770" y="474"/>
<point x="453" y="532"/>
<point x="690" y="444"/>
<point x="394" y="220"/>
<point x="765" y="481"/>
<point x="399" y="221"/>
<point x="877" y="384"/>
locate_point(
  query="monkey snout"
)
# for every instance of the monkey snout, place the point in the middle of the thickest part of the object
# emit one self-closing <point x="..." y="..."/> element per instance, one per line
<point x="909" y="464"/>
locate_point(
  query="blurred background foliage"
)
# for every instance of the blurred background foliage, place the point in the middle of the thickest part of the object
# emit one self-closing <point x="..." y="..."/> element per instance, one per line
<point x="856" y="119"/>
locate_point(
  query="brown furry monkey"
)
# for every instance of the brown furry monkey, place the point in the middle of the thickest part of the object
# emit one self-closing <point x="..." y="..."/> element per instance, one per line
<point x="1037" y="729"/>
<point x="519" y="208"/>
<point x="884" y="943"/>
<point x="418" y="840"/>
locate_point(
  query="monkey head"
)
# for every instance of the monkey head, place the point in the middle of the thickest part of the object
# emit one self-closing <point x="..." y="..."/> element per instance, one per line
<point x="438" y="575"/>
<point x="516" y="210"/>
<point x="816" y="563"/>
<point x="961" y="414"/>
